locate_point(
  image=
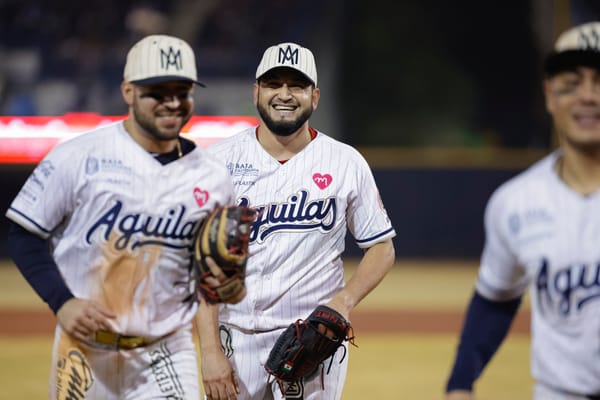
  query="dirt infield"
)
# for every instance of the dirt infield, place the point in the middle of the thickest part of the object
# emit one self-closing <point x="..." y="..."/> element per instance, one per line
<point x="406" y="330"/>
<point x="19" y="323"/>
<point x="415" y="298"/>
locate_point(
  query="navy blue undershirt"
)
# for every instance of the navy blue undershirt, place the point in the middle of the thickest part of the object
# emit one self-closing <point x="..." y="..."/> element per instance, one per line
<point x="32" y="254"/>
<point x="186" y="147"/>
<point x="486" y="325"/>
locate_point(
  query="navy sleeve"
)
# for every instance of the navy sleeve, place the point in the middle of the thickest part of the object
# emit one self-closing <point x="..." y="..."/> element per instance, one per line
<point x="32" y="256"/>
<point x="486" y="325"/>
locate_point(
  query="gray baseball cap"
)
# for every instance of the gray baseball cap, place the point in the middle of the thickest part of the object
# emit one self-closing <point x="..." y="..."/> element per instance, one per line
<point x="290" y="55"/>
<point x="578" y="46"/>
<point x="160" y="58"/>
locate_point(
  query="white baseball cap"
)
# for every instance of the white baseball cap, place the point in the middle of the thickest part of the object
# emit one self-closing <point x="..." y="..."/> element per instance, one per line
<point x="290" y="55"/>
<point x="160" y="58"/>
<point x="578" y="46"/>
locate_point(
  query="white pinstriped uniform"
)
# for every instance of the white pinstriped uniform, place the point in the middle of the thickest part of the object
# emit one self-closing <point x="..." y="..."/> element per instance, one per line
<point x="121" y="226"/>
<point x="542" y="235"/>
<point x="309" y="203"/>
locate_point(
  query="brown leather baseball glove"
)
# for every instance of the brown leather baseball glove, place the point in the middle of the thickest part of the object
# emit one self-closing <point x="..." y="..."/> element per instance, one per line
<point x="223" y="236"/>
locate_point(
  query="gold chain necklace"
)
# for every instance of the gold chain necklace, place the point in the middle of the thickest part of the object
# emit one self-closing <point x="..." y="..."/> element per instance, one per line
<point x="178" y="144"/>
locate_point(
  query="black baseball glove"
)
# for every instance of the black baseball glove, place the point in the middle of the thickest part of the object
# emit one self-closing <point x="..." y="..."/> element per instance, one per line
<point x="304" y="345"/>
<point x="223" y="236"/>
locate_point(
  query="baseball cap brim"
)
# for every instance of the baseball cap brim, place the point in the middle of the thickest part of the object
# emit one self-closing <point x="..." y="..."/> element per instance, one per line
<point x="162" y="79"/>
<point x="567" y="60"/>
<point x="269" y="71"/>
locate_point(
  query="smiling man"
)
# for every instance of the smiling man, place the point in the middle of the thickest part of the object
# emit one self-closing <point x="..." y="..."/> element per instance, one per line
<point x="543" y="233"/>
<point x="103" y="232"/>
<point x="310" y="189"/>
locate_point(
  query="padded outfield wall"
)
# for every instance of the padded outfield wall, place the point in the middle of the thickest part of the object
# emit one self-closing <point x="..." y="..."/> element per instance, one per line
<point x="435" y="197"/>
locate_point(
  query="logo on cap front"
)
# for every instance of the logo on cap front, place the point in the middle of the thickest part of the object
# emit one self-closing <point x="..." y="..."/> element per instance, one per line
<point x="590" y="39"/>
<point x="287" y="55"/>
<point x="171" y="58"/>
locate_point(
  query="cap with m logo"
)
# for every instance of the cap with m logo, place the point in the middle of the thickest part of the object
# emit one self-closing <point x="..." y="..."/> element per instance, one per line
<point x="160" y="58"/>
<point x="290" y="55"/>
<point x="578" y="46"/>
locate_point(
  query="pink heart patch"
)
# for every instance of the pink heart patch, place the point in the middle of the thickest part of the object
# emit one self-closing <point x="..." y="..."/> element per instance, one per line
<point x="201" y="196"/>
<point x="322" y="181"/>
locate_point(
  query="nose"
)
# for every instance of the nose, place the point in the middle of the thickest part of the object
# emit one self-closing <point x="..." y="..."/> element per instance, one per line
<point x="285" y="92"/>
<point x="171" y="100"/>
<point x="590" y="90"/>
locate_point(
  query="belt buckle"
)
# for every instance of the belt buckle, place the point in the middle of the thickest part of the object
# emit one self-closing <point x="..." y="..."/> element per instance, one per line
<point x="108" y="338"/>
<point x="130" y="342"/>
<point x="117" y="341"/>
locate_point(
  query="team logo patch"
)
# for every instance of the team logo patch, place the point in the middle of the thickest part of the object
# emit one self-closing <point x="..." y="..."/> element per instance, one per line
<point x="294" y="390"/>
<point x="91" y="165"/>
<point x="322" y="181"/>
<point x="170" y="58"/>
<point x="73" y="376"/>
<point x="201" y="196"/>
<point x="514" y="223"/>
<point x="287" y="55"/>
<point x="242" y="169"/>
<point x="589" y="40"/>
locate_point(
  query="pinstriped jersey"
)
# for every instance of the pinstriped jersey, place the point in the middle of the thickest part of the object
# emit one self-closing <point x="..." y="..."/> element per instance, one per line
<point x="121" y="224"/>
<point x="307" y="204"/>
<point x="542" y="235"/>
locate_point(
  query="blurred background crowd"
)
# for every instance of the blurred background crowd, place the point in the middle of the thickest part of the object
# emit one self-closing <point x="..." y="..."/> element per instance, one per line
<point x="392" y="73"/>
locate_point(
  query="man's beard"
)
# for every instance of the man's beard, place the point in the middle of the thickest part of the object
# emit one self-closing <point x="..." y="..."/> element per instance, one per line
<point x="283" y="128"/>
<point x="149" y="125"/>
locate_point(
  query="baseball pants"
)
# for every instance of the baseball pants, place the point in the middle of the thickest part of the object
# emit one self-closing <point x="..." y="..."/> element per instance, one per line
<point x="248" y="352"/>
<point x="545" y="392"/>
<point x="165" y="369"/>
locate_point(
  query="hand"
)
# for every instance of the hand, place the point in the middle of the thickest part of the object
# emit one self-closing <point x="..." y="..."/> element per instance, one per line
<point x="459" y="395"/>
<point x="82" y="318"/>
<point x="218" y="376"/>
<point x="218" y="277"/>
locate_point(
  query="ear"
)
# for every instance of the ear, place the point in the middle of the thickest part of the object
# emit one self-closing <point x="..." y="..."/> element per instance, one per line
<point x="316" y="95"/>
<point x="255" y="93"/>
<point x="127" y="90"/>
<point x="549" y="97"/>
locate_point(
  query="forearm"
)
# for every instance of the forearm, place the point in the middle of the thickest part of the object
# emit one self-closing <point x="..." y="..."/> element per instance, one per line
<point x="374" y="265"/>
<point x="32" y="256"/>
<point x="218" y="375"/>
<point x="207" y="326"/>
<point x="486" y="325"/>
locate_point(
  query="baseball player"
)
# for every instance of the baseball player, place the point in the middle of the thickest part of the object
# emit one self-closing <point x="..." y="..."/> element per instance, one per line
<point x="103" y="229"/>
<point x="310" y="189"/>
<point x="543" y="233"/>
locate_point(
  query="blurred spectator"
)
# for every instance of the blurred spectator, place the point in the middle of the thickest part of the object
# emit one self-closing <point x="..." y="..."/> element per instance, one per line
<point x="83" y="44"/>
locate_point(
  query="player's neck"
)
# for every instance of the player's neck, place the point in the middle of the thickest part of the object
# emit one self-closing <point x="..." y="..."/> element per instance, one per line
<point x="283" y="147"/>
<point x="580" y="172"/>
